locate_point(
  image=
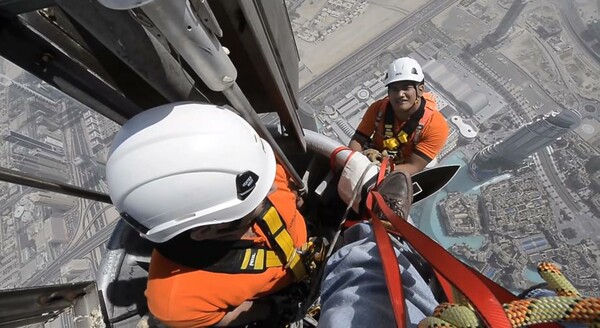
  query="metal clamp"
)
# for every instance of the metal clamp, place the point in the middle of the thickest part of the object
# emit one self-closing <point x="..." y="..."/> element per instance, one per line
<point x="206" y="16"/>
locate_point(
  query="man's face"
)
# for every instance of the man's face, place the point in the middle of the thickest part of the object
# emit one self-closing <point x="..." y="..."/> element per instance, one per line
<point x="403" y="95"/>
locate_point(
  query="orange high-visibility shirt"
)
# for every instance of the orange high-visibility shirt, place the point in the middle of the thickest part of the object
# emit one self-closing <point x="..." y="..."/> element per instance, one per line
<point x="432" y="138"/>
<point x="180" y="296"/>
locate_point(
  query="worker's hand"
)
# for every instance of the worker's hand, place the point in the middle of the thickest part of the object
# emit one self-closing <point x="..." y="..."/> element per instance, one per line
<point x="352" y="181"/>
<point x="299" y="199"/>
<point x="373" y="155"/>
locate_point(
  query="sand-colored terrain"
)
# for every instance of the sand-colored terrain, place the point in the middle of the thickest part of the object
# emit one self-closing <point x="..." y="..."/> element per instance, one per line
<point x="461" y="25"/>
<point x="588" y="10"/>
<point x="525" y="51"/>
<point x="317" y="57"/>
<point x="582" y="77"/>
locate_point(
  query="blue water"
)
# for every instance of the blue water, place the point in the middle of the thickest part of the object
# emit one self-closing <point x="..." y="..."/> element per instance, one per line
<point x="426" y="214"/>
<point x="532" y="275"/>
<point x="427" y="218"/>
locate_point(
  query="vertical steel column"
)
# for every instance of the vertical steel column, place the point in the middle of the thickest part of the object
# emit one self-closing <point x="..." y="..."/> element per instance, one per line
<point x="197" y="43"/>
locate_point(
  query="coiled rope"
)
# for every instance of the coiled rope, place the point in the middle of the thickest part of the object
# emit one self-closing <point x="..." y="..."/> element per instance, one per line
<point x="567" y="306"/>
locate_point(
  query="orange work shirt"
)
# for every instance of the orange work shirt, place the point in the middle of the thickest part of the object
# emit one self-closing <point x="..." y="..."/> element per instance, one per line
<point x="432" y="138"/>
<point x="180" y="296"/>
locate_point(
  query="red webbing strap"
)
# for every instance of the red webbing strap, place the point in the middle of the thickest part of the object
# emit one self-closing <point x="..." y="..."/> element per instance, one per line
<point x="334" y="154"/>
<point x="482" y="299"/>
<point x="389" y="261"/>
<point x="391" y="270"/>
<point x="503" y="295"/>
<point x="446" y="286"/>
<point x="382" y="168"/>
<point x="444" y="283"/>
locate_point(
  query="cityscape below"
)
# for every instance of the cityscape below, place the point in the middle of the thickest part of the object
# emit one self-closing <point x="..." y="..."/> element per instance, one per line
<point x="517" y="81"/>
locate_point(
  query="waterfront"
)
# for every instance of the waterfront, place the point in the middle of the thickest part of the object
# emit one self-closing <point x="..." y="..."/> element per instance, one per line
<point x="427" y="217"/>
<point x="426" y="214"/>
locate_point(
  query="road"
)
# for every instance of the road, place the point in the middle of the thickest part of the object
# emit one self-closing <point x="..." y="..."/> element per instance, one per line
<point x="562" y="71"/>
<point x="372" y="49"/>
<point x="559" y="186"/>
<point x="53" y="270"/>
<point x="575" y="26"/>
<point x="85" y="224"/>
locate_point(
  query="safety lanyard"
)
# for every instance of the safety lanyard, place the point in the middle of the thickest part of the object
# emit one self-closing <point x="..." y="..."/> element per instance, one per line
<point x="447" y="266"/>
<point x="407" y="129"/>
<point x="483" y="294"/>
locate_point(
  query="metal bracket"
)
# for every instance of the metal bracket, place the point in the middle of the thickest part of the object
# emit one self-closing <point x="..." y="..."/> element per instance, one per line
<point x="206" y="16"/>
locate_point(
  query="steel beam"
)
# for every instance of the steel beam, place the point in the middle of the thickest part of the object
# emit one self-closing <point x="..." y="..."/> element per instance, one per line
<point x="130" y="46"/>
<point x="37" y="54"/>
<point x="19" y="307"/>
<point x="260" y="38"/>
<point x="21" y="178"/>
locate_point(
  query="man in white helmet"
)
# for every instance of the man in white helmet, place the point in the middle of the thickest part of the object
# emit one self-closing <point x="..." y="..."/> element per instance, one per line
<point x="406" y="123"/>
<point x="199" y="182"/>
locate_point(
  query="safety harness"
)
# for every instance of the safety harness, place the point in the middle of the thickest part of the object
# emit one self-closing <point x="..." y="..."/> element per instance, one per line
<point x="244" y="256"/>
<point x="477" y="301"/>
<point x="410" y="130"/>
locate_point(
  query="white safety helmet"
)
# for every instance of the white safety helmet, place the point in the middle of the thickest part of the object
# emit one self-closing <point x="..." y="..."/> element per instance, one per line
<point x="404" y="69"/>
<point x="185" y="165"/>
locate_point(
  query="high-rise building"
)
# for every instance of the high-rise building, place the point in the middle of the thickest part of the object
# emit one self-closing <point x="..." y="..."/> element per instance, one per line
<point x="526" y="141"/>
<point x="55" y="230"/>
<point x="75" y="268"/>
<point x="40" y="163"/>
<point x="507" y="21"/>
<point x="31" y="143"/>
<point x="57" y="201"/>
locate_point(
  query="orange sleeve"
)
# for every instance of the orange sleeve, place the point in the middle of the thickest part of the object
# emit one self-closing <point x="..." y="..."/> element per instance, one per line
<point x="285" y="202"/>
<point x="434" y="136"/>
<point x="282" y="180"/>
<point x="366" y="126"/>
<point x="431" y="101"/>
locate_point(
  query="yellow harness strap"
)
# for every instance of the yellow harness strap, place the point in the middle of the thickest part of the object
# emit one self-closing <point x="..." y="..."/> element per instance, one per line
<point x="245" y="256"/>
<point x="258" y="259"/>
<point x="283" y="253"/>
<point x="283" y="240"/>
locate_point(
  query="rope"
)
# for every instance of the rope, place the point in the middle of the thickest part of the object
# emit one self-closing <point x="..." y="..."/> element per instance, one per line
<point x="315" y="288"/>
<point x="556" y="280"/>
<point x="567" y="306"/>
<point x="355" y="193"/>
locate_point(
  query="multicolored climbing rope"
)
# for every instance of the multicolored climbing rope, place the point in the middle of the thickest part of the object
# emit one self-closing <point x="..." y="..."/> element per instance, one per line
<point x="567" y="306"/>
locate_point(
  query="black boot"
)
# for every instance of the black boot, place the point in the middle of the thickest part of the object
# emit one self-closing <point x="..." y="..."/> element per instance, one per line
<point x="396" y="190"/>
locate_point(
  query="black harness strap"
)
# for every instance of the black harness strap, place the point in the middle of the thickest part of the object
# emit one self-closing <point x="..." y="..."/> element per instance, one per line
<point x="239" y="256"/>
<point x="409" y="127"/>
<point x="208" y="255"/>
